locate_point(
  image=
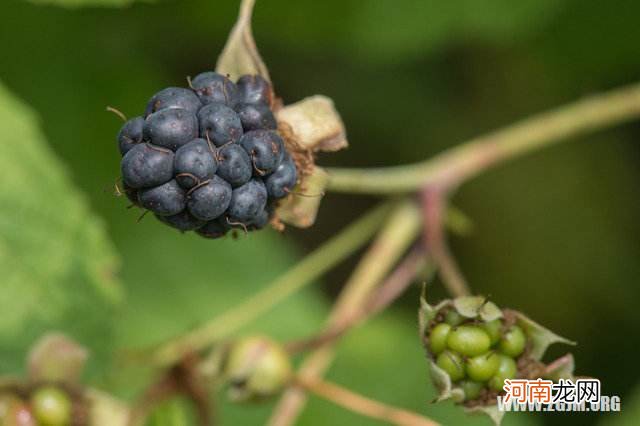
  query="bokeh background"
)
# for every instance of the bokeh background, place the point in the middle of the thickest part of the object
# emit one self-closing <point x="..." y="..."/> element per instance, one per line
<point x="556" y="234"/>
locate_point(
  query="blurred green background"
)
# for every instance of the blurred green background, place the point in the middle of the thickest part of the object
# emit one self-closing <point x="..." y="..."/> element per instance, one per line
<point x="556" y="233"/>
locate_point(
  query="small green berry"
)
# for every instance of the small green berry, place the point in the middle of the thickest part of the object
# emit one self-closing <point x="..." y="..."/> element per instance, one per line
<point x="468" y="340"/>
<point x="513" y="342"/>
<point x="482" y="367"/>
<point x="51" y="406"/>
<point x="452" y="364"/>
<point x="493" y="329"/>
<point x="471" y="389"/>
<point x="506" y="370"/>
<point x="452" y="317"/>
<point x="438" y="338"/>
<point x="257" y="367"/>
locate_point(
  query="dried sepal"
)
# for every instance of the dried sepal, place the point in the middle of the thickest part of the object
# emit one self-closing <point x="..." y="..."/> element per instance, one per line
<point x="477" y="307"/>
<point x="56" y="358"/>
<point x="301" y="207"/>
<point x="315" y="123"/>
<point x="107" y="410"/>
<point x="443" y="384"/>
<point x="561" y="368"/>
<point x="240" y="55"/>
<point x="540" y="336"/>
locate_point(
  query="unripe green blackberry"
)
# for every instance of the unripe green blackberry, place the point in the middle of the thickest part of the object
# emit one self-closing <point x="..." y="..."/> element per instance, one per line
<point x="471" y="389"/>
<point x="256" y="367"/>
<point x="452" y="364"/>
<point x="507" y="369"/>
<point x="493" y="329"/>
<point x="482" y="367"/>
<point x="438" y="338"/>
<point x="51" y="406"/>
<point x="452" y="317"/>
<point x="468" y="340"/>
<point x="513" y="342"/>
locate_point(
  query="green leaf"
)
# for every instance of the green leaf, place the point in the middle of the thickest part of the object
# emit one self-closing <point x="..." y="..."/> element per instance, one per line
<point x="83" y="3"/>
<point x="57" y="264"/>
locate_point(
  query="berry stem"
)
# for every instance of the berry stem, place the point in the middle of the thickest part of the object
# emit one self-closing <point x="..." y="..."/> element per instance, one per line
<point x="434" y="207"/>
<point x="401" y="229"/>
<point x="394" y="286"/>
<point x="456" y="165"/>
<point x="305" y="272"/>
<point x="363" y="405"/>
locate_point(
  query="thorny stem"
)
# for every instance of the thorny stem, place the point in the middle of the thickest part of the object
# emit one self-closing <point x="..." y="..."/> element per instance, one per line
<point x="314" y="265"/>
<point x="395" y="285"/>
<point x="363" y="405"/>
<point x="456" y="165"/>
<point x="401" y="230"/>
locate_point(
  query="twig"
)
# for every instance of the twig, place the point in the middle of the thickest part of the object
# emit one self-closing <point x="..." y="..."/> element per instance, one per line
<point x="305" y="272"/>
<point x="401" y="229"/>
<point x="363" y="405"/>
<point x="395" y="284"/>
<point x="434" y="206"/>
<point x="458" y="164"/>
<point x="181" y="379"/>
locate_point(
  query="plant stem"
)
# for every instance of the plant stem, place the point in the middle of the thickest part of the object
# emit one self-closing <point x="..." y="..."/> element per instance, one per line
<point x="394" y="285"/>
<point x="305" y="272"/>
<point x="434" y="205"/>
<point x="400" y="231"/>
<point x="458" y="164"/>
<point x="363" y="405"/>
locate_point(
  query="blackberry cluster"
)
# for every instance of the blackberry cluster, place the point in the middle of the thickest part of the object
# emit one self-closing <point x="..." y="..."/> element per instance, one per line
<point x="477" y="355"/>
<point x="208" y="158"/>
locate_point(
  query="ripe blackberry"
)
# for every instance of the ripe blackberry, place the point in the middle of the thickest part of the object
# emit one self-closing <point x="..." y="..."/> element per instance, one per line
<point x="265" y="148"/>
<point x="248" y="201"/>
<point x="183" y="221"/>
<point x="171" y="128"/>
<point x="173" y="97"/>
<point x="146" y="165"/>
<point x="208" y="158"/>
<point x="130" y="134"/>
<point x="195" y="162"/>
<point x="213" y="229"/>
<point x="214" y="88"/>
<point x="256" y="117"/>
<point x="280" y="183"/>
<point x="210" y="199"/>
<point x="234" y="165"/>
<point x="164" y="200"/>
<point x="253" y="89"/>
<point x="219" y="124"/>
